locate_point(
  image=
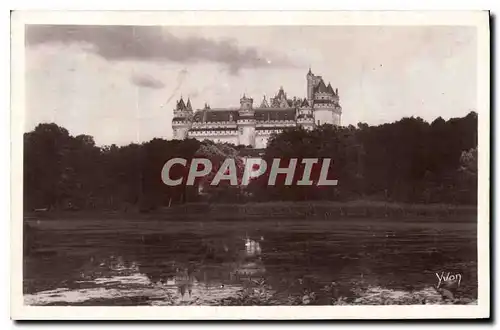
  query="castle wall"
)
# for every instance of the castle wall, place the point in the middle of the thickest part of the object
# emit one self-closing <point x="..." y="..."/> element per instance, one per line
<point x="215" y="125"/>
<point x="225" y="139"/>
<point x="180" y="130"/>
<point x="324" y="116"/>
<point x="306" y="123"/>
<point x="336" y="119"/>
<point x="261" y="139"/>
<point x="246" y="129"/>
<point x="271" y="124"/>
<point x="216" y="136"/>
<point x="247" y="135"/>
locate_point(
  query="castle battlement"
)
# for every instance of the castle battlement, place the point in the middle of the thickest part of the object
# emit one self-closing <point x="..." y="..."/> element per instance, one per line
<point x="214" y="123"/>
<point x="249" y="125"/>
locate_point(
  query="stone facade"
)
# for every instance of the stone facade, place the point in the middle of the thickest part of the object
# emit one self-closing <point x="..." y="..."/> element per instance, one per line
<point x="253" y="126"/>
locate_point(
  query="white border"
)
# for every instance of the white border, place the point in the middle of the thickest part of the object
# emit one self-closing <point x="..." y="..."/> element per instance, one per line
<point x="19" y="19"/>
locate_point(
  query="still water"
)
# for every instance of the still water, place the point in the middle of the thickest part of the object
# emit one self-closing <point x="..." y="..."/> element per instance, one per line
<point x="148" y="262"/>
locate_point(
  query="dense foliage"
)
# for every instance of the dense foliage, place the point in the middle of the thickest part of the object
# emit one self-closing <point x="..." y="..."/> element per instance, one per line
<point x="407" y="161"/>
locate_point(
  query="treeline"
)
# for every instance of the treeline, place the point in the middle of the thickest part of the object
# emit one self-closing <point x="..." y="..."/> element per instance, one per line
<point x="407" y="161"/>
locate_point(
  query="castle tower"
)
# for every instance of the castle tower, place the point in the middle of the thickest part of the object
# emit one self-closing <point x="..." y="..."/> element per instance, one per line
<point x="337" y="109"/>
<point x="246" y="122"/>
<point x="310" y="85"/>
<point x="305" y="117"/>
<point x="324" y="101"/>
<point x="182" y="121"/>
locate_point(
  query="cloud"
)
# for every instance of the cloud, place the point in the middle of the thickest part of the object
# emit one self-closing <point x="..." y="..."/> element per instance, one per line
<point x="145" y="80"/>
<point x="154" y="43"/>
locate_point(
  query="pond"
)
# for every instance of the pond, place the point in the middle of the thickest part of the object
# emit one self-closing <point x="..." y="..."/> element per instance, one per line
<point x="266" y="262"/>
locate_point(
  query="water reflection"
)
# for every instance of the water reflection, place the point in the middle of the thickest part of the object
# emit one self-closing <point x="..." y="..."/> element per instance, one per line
<point x="212" y="269"/>
<point x="166" y="257"/>
<point x="192" y="265"/>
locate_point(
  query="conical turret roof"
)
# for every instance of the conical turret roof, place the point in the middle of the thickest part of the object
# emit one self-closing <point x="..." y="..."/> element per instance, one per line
<point x="321" y="87"/>
<point x="281" y="94"/>
<point x="181" y="105"/>
<point x="330" y="89"/>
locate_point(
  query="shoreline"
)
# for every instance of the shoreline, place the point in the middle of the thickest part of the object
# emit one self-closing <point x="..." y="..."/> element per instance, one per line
<point x="316" y="210"/>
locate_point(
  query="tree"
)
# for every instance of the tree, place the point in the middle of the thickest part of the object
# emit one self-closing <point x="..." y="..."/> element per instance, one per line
<point x="409" y="160"/>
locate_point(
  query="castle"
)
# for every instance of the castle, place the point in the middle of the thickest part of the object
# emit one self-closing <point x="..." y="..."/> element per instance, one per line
<point x="253" y="126"/>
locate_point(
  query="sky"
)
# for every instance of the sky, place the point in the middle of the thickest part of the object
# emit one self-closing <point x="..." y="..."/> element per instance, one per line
<point x="121" y="83"/>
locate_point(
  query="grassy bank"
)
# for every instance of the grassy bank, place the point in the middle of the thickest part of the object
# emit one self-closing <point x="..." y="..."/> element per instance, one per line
<point x="374" y="296"/>
<point x="322" y="210"/>
<point x="317" y="210"/>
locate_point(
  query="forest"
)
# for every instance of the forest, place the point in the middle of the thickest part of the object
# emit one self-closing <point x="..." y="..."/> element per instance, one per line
<point x="408" y="161"/>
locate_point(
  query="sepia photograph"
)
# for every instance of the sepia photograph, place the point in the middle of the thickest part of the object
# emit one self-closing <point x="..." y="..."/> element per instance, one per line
<point x="301" y="165"/>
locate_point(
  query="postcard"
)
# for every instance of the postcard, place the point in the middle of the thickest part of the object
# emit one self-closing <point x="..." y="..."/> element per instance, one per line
<point x="250" y="165"/>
